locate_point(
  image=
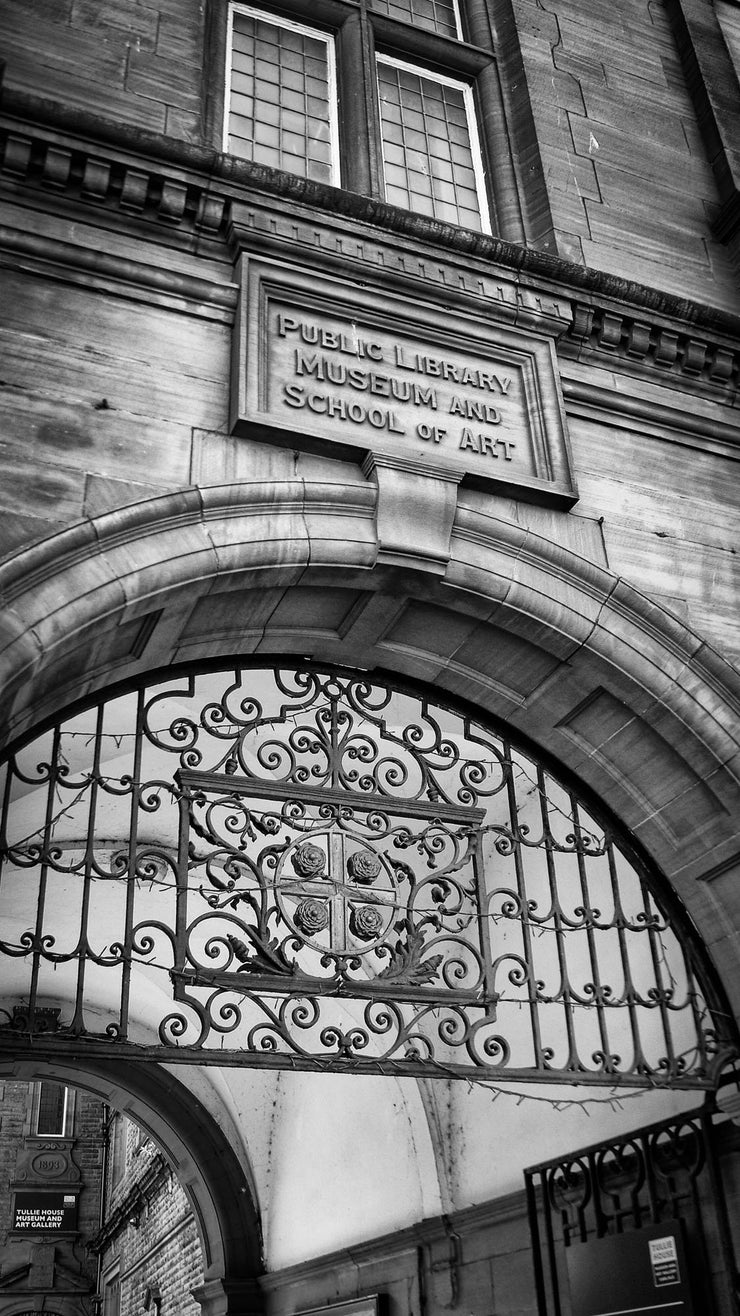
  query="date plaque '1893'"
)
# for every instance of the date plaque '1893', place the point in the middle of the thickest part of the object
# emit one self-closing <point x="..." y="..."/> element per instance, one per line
<point x="331" y="367"/>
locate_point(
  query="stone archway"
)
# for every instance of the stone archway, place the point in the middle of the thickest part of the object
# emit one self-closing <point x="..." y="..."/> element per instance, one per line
<point x="589" y="669"/>
<point x="218" y="1186"/>
<point x="582" y="664"/>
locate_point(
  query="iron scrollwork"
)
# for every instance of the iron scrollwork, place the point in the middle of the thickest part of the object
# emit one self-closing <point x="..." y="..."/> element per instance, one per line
<point x="310" y="867"/>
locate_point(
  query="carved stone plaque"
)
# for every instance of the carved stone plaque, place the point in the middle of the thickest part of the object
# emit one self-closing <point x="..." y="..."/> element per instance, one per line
<point x="332" y="367"/>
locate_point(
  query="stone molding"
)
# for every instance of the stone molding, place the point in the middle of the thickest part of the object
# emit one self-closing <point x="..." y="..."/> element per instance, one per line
<point x="648" y="330"/>
<point x="93" y="178"/>
<point x="115" y="570"/>
<point x="669" y="423"/>
<point x="713" y="83"/>
<point x="433" y="1232"/>
<point x="663" y="348"/>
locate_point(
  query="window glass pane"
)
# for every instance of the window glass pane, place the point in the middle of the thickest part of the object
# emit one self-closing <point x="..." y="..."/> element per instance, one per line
<point x="434" y="15"/>
<point x="51" y="1110"/>
<point x="429" y="152"/>
<point x="281" y="106"/>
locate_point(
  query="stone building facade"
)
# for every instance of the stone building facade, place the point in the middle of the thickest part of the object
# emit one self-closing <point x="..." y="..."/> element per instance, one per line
<point x="394" y="348"/>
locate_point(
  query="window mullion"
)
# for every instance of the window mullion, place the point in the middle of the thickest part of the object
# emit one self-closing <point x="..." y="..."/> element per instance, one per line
<point x="360" y="155"/>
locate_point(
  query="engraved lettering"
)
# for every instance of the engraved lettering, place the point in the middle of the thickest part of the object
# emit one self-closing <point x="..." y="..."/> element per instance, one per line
<point x="293" y="395"/>
<point x="326" y="404"/>
<point x="330" y="339"/>
<point x="472" y="409"/>
<point x="336" y="372"/>
<point x="430" y="432"/>
<point x="425" y="397"/>
<point x="487" y="444"/>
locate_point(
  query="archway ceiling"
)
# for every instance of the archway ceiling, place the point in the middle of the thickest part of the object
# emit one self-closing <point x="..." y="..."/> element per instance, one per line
<point x="265" y="1157"/>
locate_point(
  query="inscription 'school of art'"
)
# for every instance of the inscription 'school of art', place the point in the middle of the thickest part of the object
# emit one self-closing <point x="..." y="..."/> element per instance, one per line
<point x="340" y="368"/>
<point x="391" y="386"/>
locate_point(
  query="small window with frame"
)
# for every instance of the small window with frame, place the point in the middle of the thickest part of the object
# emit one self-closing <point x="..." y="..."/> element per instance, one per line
<point x="440" y="16"/>
<point x="53" y="1110"/>
<point x="379" y="101"/>
<point x="432" y="162"/>
<point x="281" y="106"/>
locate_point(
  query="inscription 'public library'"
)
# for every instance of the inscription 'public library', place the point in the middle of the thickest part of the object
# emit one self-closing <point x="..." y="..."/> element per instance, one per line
<point x="399" y="383"/>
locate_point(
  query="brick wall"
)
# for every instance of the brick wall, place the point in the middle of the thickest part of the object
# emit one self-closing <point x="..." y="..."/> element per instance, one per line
<point x="13" y="1105"/>
<point x="153" y="1237"/>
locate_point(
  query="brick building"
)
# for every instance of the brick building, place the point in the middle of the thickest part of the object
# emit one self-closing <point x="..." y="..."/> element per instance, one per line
<point x="51" y="1175"/>
<point x="369" y="634"/>
<point x="148" y="1248"/>
<point x="93" y="1219"/>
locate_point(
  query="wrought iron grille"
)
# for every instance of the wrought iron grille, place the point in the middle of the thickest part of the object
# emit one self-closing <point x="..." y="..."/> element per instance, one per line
<point x="309" y="867"/>
<point x="669" y="1171"/>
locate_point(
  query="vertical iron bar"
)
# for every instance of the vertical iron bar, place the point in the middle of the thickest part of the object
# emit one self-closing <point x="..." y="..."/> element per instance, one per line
<point x="601" y="1220"/>
<point x="181" y="910"/>
<point x="696" y="1013"/>
<point x="717" y="1186"/>
<point x="590" y="939"/>
<point x="573" y="1062"/>
<point x="554" y="1281"/>
<point x="653" y="943"/>
<point x="521" y="887"/>
<point x="475" y="851"/>
<point x="49" y="821"/>
<point x="83" y="945"/>
<point x="652" y="1187"/>
<point x="534" y="1232"/>
<point x="695" y="1198"/>
<point x="638" y="1062"/>
<point x="127" y="940"/>
<point x="7" y="790"/>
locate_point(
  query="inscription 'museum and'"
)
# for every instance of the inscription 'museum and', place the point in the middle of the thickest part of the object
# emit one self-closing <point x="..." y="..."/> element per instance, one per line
<point x="319" y="364"/>
<point x="394" y="386"/>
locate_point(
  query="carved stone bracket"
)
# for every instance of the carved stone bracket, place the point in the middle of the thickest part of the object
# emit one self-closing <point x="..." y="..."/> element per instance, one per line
<point x="116" y="183"/>
<point x="664" y="347"/>
<point x="415" y="512"/>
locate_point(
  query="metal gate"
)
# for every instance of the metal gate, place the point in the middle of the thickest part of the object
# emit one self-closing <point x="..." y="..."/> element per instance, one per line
<point x="308" y="868"/>
<point x="664" y="1172"/>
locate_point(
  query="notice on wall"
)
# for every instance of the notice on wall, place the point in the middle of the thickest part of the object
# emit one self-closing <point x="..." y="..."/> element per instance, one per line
<point x="41" y="1213"/>
<point x="664" y="1261"/>
<point x="640" y="1270"/>
<point x="335" y="369"/>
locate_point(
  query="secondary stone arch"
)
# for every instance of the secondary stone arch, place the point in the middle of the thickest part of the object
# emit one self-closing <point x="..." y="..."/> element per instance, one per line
<point x="216" y="1181"/>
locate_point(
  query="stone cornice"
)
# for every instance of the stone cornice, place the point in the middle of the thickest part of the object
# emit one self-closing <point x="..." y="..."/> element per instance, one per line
<point x="190" y="186"/>
<point x="659" y="346"/>
<point x="672" y="424"/>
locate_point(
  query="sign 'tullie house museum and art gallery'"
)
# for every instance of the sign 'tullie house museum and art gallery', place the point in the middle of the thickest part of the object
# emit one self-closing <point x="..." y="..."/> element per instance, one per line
<point x="369" y="644"/>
